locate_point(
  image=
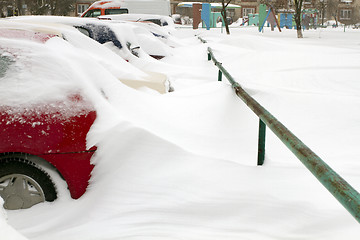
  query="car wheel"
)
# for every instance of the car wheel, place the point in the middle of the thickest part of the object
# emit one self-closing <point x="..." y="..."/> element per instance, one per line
<point x="23" y="184"/>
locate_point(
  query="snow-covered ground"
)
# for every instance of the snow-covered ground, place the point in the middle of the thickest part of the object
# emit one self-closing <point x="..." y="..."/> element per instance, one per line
<point x="183" y="165"/>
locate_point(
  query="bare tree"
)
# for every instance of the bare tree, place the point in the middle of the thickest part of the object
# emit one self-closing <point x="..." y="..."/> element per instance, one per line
<point x="9" y="7"/>
<point x="225" y="3"/>
<point x="332" y="9"/>
<point x="38" y="7"/>
<point x="321" y="5"/>
<point x="61" y="7"/>
<point x="298" y="11"/>
<point x="277" y="4"/>
<point x="3" y="5"/>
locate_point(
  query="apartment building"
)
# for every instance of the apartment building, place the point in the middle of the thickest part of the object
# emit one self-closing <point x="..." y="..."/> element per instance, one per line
<point x="349" y="11"/>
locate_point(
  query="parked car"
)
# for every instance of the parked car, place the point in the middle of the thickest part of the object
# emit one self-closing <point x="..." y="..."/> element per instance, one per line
<point x="128" y="38"/>
<point x="145" y="43"/>
<point x="106" y="7"/>
<point x="114" y="45"/>
<point x="44" y="121"/>
<point x="156" y="19"/>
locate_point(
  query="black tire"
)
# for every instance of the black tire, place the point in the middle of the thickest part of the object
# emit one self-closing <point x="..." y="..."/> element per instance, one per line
<point x="36" y="184"/>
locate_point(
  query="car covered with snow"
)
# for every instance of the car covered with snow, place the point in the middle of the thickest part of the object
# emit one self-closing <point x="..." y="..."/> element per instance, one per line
<point x="44" y="120"/>
<point x="109" y="7"/>
<point x="139" y="45"/>
<point x="117" y="43"/>
<point x="156" y="19"/>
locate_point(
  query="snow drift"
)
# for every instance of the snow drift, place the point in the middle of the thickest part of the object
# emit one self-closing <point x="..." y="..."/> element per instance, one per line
<point x="183" y="165"/>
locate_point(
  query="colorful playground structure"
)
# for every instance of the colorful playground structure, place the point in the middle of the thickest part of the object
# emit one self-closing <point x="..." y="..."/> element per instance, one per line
<point x="207" y="13"/>
<point x="284" y="18"/>
<point x="204" y="13"/>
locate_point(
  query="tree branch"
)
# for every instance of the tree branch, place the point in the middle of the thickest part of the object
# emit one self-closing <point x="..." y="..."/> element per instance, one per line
<point x="228" y="3"/>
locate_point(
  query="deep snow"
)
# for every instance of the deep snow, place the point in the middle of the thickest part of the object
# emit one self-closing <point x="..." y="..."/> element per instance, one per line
<point x="183" y="165"/>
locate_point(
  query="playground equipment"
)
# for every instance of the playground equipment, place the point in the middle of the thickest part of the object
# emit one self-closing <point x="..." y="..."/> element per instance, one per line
<point x="309" y="18"/>
<point x="215" y="18"/>
<point x="202" y="13"/>
<point x="205" y="13"/>
<point x="269" y="16"/>
<point x="253" y="19"/>
<point x="284" y="18"/>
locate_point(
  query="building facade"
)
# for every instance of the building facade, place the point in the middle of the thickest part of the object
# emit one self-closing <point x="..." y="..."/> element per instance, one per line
<point x="81" y="6"/>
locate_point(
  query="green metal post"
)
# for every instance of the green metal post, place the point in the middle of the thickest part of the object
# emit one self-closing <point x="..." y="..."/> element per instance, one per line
<point x="332" y="181"/>
<point x="261" y="143"/>
<point x="220" y="76"/>
<point x="209" y="57"/>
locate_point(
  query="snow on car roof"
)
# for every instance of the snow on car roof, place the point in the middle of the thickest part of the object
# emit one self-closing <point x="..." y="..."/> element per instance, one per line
<point x="33" y="72"/>
<point x="106" y="4"/>
<point x="102" y="54"/>
<point x="26" y="34"/>
<point x="163" y="20"/>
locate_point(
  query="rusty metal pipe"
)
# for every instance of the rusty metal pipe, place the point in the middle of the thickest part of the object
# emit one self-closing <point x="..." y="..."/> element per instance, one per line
<point x="333" y="182"/>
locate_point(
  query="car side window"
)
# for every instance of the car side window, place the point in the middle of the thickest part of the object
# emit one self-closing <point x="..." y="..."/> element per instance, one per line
<point x="116" y="11"/>
<point x="156" y="21"/>
<point x="84" y="31"/>
<point x="93" y="13"/>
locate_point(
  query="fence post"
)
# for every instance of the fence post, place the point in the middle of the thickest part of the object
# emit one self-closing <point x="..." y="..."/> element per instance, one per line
<point x="261" y="143"/>
<point x="220" y="76"/>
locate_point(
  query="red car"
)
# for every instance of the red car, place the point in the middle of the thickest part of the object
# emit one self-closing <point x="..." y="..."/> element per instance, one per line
<point x="41" y="134"/>
<point x="104" y="8"/>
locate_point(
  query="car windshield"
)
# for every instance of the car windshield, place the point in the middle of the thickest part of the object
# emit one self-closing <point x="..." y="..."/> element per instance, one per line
<point x="100" y="33"/>
<point x="93" y="13"/>
<point x="5" y="62"/>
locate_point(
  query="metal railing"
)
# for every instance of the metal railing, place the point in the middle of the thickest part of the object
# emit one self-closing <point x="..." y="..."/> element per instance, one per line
<point x="333" y="182"/>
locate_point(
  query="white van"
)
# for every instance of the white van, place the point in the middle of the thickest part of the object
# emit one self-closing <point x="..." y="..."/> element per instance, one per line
<point x="109" y="7"/>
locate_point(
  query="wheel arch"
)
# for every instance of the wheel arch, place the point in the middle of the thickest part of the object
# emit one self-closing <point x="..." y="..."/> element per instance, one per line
<point x="75" y="169"/>
<point x="39" y="161"/>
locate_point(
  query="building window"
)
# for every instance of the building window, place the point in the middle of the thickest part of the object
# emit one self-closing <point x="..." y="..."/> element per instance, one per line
<point x="307" y="1"/>
<point x="81" y="7"/>
<point x="247" y="11"/>
<point x="345" y="14"/>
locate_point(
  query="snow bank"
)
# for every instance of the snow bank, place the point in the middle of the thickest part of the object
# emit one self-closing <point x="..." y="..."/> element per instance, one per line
<point x="7" y="232"/>
<point x="63" y="26"/>
<point x="183" y="165"/>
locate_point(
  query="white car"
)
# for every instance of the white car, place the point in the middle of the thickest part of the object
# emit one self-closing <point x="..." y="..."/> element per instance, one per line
<point x="157" y="19"/>
<point x="103" y="53"/>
